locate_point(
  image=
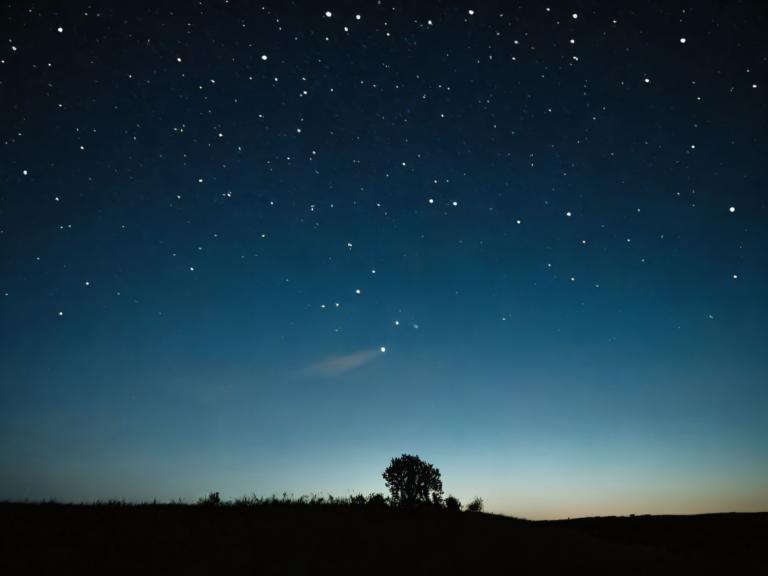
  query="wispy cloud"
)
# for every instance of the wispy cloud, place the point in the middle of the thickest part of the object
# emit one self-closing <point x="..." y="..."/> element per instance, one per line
<point x="338" y="365"/>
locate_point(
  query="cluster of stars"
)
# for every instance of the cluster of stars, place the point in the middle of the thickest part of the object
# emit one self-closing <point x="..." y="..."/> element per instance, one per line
<point x="291" y="142"/>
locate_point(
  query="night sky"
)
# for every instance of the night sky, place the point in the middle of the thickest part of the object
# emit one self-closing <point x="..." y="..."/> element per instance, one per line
<point x="266" y="247"/>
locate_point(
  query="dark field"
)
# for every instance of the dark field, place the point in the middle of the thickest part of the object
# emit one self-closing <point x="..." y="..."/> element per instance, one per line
<point x="334" y="539"/>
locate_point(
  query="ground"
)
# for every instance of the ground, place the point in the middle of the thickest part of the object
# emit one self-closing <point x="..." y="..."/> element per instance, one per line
<point x="300" y="539"/>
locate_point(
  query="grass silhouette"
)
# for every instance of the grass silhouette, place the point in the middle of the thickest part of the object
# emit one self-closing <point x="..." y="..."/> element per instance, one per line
<point x="362" y="535"/>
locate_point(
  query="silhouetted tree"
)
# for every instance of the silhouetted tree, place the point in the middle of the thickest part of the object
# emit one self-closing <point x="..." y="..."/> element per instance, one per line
<point x="452" y="504"/>
<point x="475" y="506"/>
<point x="413" y="482"/>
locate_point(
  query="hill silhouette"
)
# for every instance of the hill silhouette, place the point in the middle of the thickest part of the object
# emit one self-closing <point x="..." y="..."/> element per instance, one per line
<point x="283" y="536"/>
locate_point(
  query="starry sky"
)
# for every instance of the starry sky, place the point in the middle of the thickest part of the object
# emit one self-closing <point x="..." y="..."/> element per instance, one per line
<point x="265" y="247"/>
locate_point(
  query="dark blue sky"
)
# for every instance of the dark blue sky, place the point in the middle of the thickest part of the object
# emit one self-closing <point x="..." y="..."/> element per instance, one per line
<point x="266" y="247"/>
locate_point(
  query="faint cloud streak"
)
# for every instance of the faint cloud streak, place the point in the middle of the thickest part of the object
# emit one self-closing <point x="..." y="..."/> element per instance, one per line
<point x="337" y="365"/>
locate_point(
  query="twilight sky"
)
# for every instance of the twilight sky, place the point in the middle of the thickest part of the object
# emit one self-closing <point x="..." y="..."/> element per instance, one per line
<point x="265" y="247"/>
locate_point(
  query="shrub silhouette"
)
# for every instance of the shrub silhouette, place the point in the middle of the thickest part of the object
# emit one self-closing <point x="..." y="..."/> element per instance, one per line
<point x="212" y="499"/>
<point x="452" y="504"/>
<point x="413" y="482"/>
<point x="475" y="506"/>
<point x="376" y="500"/>
<point x="357" y="500"/>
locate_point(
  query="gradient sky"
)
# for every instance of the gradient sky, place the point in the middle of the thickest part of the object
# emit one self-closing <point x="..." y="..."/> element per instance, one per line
<point x="265" y="247"/>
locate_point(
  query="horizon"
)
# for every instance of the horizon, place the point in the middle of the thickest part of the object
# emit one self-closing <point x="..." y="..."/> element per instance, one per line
<point x="321" y="500"/>
<point x="266" y="248"/>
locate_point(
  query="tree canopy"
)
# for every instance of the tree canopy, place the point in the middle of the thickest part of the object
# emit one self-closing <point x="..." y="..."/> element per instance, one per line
<point x="413" y="482"/>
